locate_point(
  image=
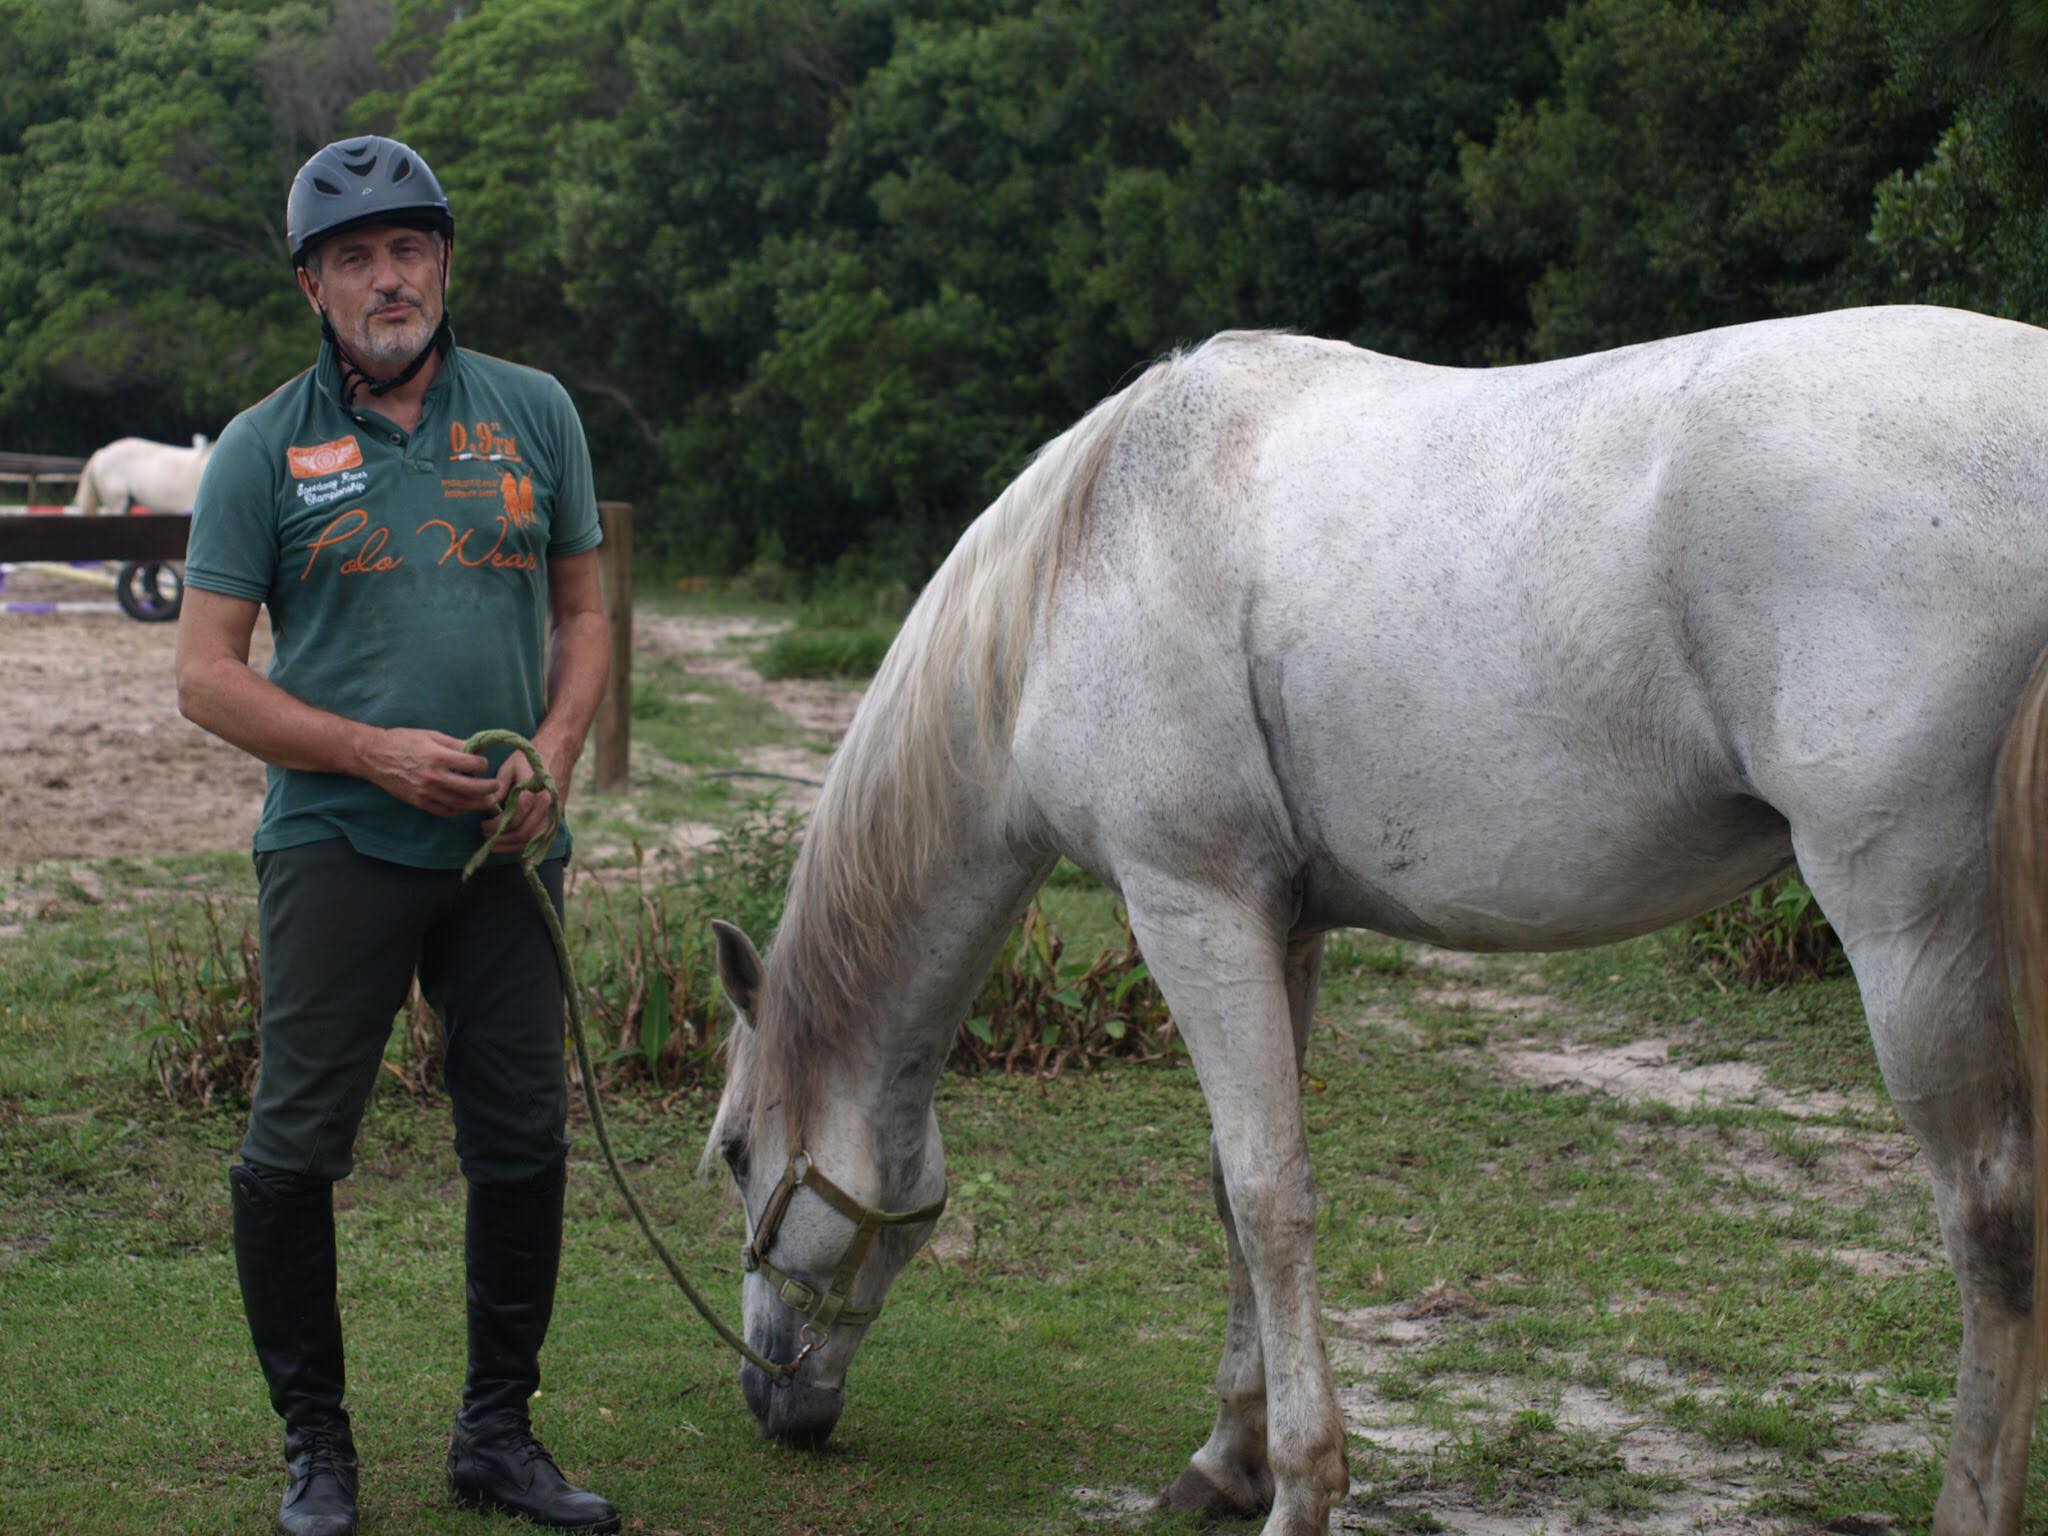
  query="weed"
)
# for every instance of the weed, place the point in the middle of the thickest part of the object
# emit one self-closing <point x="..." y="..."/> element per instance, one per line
<point x="1798" y="1430"/>
<point x="1532" y="1456"/>
<point x="419" y="1048"/>
<point x="1773" y="935"/>
<point x="743" y="875"/>
<point x="202" y="1016"/>
<point x="1039" y="1013"/>
<point x="650" y="994"/>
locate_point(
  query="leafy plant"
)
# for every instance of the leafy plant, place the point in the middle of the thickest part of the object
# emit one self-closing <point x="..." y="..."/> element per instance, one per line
<point x="649" y="987"/>
<point x="743" y="875"/>
<point x="1775" y="934"/>
<point x="1040" y="1013"/>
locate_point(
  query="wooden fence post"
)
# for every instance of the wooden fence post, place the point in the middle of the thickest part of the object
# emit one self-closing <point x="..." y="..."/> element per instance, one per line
<point x="615" y="571"/>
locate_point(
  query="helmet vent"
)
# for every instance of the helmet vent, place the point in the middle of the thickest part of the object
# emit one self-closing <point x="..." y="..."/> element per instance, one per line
<point x="361" y="167"/>
<point x="326" y="186"/>
<point x="401" y="170"/>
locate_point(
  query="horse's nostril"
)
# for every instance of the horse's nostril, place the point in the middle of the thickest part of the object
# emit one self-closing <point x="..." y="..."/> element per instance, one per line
<point x="795" y="1415"/>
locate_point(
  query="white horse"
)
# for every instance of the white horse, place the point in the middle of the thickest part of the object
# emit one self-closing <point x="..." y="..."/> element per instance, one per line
<point x="133" y="471"/>
<point x="1289" y="636"/>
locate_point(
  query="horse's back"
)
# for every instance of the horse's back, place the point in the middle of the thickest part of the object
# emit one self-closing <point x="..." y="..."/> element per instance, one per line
<point x="1548" y="654"/>
<point x="161" y="476"/>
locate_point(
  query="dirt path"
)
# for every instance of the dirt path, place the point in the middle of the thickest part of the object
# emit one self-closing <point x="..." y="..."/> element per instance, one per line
<point x="705" y="647"/>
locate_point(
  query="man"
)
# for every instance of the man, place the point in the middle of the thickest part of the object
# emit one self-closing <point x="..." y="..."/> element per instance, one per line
<point x="411" y="513"/>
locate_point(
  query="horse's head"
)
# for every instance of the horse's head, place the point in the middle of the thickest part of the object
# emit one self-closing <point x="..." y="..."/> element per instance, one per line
<point x="841" y="1187"/>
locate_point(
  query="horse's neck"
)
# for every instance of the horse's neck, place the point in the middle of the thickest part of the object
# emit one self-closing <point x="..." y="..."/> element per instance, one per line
<point x="973" y="895"/>
<point x="937" y="938"/>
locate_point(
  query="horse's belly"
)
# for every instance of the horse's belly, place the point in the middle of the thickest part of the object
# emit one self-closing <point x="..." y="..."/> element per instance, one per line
<point x="1576" y="870"/>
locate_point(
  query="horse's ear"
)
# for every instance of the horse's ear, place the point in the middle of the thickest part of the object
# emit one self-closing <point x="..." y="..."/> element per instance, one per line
<point x="739" y="967"/>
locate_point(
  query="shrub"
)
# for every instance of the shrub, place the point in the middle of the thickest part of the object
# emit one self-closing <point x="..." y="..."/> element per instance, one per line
<point x="651" y="997"/>
<point x="1040" y="1014"/>
<point x="1773" y="935"/>
<point x="649" y="991"/>
<point x="204" y="1009"/>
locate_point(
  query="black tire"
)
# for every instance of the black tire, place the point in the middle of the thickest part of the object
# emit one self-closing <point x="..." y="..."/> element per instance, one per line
<point x="150" y="592"/>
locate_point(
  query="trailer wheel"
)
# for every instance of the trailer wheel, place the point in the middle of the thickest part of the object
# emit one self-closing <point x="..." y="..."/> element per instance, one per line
<point x="150" y="591"/>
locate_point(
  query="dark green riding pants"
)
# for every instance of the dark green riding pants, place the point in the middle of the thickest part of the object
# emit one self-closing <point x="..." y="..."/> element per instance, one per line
<point x="342" y="935"/>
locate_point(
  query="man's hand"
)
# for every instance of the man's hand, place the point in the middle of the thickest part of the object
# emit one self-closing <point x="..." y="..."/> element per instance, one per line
<point x="429" y="770"/>
<point x="525" y="821"/>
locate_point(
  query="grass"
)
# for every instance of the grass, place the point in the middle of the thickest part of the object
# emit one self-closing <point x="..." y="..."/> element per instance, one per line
<point x="835" y="651"/>
<point x="1494" y="1255"/>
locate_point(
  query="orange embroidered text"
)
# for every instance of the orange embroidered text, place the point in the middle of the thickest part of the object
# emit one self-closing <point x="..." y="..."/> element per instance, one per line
<point x="495" y="557"/>
<point x="368" y="560"/>
<point x="481" y="440"/>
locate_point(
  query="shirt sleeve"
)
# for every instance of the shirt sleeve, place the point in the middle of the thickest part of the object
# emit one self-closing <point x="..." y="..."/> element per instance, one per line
<point x="573" y="527"/>
<point x="232" y="547"/>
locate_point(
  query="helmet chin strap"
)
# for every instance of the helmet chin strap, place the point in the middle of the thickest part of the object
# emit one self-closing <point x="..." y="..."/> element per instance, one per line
<point x="354" y="377"/>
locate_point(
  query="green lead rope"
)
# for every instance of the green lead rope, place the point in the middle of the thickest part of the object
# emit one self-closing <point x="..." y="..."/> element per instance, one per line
<point x="530" y="858"/>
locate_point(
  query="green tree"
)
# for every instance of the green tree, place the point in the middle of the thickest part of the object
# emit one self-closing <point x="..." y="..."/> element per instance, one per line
<point x="144" y="285"/>
<point x="1969" y="226"/>
<point x="1698" y="164"/>
<point x="1316" y="186"/>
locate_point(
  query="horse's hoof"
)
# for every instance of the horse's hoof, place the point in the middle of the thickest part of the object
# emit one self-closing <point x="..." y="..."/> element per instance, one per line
<point x="1195" y="1492"/>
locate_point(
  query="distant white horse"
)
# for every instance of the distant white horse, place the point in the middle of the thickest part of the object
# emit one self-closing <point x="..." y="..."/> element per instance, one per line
<point x="1288" y="636"/>
<point x="133" y="471"/>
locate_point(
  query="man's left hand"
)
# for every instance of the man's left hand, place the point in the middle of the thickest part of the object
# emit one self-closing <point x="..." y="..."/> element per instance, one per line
<point x="511" y="832"/>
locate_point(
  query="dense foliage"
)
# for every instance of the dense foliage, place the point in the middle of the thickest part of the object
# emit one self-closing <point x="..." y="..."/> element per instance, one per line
<point x="822" y="273"/>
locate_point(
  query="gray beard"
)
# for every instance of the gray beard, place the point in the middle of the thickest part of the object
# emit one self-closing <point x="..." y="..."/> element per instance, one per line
<point x="390" y="347"/>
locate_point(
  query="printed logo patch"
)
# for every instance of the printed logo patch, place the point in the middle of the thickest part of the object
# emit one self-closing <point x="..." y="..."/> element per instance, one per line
<point x="324" y="458"/>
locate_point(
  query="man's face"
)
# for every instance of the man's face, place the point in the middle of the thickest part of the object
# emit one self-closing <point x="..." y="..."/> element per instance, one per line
<point x="381" y="285"/>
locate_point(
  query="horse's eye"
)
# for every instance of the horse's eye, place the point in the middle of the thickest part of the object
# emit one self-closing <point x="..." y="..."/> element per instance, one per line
<point x="734" y="1151"/>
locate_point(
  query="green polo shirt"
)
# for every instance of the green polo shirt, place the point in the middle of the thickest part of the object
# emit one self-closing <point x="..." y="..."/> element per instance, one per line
<point x="406" y="573"/>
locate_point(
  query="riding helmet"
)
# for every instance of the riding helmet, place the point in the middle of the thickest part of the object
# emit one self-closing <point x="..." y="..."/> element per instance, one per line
<point x="370" y="180"/>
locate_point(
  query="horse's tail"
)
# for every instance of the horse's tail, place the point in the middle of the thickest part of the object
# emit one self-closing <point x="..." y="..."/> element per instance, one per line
<point x="88" y="486"/>
<point x="2020" y="847"/>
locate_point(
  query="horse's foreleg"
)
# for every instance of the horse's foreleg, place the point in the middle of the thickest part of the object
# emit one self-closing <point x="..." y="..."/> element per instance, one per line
<point x="1226" y="974"/>
<point x="1229" y="1477"/>
<point x="1921" y="935"/>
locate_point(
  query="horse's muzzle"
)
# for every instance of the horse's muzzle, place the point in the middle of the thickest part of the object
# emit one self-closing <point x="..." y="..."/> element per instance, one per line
<point x="798" y="1414"/>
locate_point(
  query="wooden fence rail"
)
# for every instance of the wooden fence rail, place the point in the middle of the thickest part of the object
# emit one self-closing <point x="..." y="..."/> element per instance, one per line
<point x="36" y="471"/>
<point x="140" y="536"/>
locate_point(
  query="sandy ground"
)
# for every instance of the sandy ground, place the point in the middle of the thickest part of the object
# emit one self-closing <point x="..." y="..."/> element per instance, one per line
<point x="98" y="761"/>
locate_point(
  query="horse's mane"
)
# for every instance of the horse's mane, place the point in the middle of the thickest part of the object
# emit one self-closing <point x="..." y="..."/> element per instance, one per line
<point x="891" y="795"/>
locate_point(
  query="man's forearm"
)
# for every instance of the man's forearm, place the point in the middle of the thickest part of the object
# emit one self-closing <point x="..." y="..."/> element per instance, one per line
<point x="229" y="698"/>
<point x="579" y="665"/>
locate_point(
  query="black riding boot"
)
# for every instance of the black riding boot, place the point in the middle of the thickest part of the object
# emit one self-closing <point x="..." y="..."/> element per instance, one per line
<point x="284" y="1256"/>
<point x="512" y="1249"/>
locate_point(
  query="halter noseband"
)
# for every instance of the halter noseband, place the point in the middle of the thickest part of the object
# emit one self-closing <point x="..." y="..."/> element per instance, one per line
<point x="823" y="1309"/>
